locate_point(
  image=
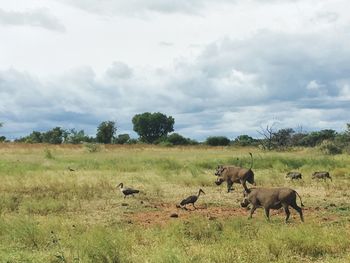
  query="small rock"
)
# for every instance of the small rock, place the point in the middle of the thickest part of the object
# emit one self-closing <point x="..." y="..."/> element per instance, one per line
<point x="125" y="204"/>
<point x="174" y="215"/>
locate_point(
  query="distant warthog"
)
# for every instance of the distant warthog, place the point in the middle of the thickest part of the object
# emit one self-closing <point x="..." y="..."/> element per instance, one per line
<point x="321" y="175"/>
<point x="272" y="198"/>
<point x="233" y="174"/>
<point x="294" y="175"/>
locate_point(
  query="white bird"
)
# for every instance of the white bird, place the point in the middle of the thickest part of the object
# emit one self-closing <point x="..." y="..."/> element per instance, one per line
<point x="127" y="191"/>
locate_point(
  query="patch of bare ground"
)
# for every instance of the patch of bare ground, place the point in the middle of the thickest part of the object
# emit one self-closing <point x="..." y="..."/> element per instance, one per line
<point x="167" y="213"/>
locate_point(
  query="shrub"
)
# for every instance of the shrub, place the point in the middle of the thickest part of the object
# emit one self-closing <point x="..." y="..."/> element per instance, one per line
<point x="217" y="141"/>
<point x="92" y="147"/>
<point x="330" y="148"/>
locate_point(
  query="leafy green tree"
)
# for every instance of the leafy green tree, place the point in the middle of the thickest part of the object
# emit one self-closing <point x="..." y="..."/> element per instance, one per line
<point x="122" y="138"/>
<point x="244" y="140"/>
<point x="105" y="132"/>
<point x="152" y="126"/>
<point x="315" y="138"/>
<point x="177" y="139"/>
<point x="2" y="138"/>
<point x="217" y="141"/>
<point x="76" y="137"/>
<point x="282" y="138"/>
<point x="54" y="136"/>
<point x="34" y="137"/>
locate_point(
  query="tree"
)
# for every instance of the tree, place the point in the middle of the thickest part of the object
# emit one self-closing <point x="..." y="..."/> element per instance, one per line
<point x="122" y="138"/>
<point x="105" y="132"/>
<point x="34" y="137"/>
<point x="267" y="142"/>
<point x="244" y="140"/>
<point x="152" y="126"/>
<point x="217" y="141"/>
<point x="54" y="136"/>
<point x="76" y="137"/>
<point x="315" y="138"/>
<point x="282" y="138"/>
<point x="177" y="139"/>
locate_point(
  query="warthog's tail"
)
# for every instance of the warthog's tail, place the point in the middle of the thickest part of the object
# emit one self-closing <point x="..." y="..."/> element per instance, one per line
<point x="251" y="163"/>
<point x="301" y="202"/>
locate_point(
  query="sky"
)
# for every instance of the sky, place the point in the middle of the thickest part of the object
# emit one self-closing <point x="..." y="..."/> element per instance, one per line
<point x="220" y="68"/>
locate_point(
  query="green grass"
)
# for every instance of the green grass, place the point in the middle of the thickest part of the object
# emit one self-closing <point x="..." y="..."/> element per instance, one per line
<point x="50" y="214"/>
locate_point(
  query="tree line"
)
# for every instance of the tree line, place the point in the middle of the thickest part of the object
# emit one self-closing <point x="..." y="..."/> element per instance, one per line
<point x="157" y="128"/>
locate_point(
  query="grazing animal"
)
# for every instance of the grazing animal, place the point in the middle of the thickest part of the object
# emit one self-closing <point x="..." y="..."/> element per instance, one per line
<point x="272" y="198"/>
<point x="191" y="199"/>
<point x="294" y="175"/>
<point x="233" y="174"/>
<point x="127" y="191"/>
<point x="321" y="175"/>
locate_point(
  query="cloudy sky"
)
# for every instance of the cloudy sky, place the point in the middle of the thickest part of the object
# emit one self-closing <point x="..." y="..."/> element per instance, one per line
<point x="224" y="67"/>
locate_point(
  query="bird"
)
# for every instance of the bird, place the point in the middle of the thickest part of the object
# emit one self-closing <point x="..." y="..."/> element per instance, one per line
<point x="70" y="169"/>
<point x="191" y="199"/>
<point x="127" y="191"/>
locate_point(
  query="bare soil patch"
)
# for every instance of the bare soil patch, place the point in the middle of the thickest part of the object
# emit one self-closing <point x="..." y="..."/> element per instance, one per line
<point x="166" y="212"/>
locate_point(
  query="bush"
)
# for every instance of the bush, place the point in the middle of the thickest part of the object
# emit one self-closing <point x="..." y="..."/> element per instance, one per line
<point x="330" y="148"/>
<point x="217" y="141"/>
<point x="92" y="147"/>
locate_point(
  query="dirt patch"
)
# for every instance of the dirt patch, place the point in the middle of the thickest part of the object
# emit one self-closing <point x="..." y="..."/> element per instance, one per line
<point x="165" y="214"/>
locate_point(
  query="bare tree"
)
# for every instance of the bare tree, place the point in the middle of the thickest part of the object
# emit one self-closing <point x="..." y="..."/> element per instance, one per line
<point x="267" y="133"/>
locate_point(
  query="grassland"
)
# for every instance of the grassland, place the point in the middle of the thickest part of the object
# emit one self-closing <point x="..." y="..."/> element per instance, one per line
<point x="50" y="214"/>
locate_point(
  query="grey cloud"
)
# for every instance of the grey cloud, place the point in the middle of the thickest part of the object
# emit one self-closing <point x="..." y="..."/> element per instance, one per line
<point x="140" y="7"/>
<point x="233" y="87"/>
<point x="37" y="18"/>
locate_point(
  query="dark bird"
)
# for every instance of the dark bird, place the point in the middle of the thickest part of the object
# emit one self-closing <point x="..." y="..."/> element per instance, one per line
<point x="70" y="169"/>
<point x="127" y="191"/>
<point x="191" y="199"/>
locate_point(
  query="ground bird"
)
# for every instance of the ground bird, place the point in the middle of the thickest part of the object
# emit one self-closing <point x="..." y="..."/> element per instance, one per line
<point x="127" y="191"/>
<point x="191" y="199"/>
<point x="70" y="169"/>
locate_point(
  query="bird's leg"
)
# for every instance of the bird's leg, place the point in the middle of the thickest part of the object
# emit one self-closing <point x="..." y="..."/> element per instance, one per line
<point x="194" y="206"/>
<point x="124" y="196"/>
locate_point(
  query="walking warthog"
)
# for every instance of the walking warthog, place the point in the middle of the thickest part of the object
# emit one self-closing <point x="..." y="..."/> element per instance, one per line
<point x="272" y="198"/>
<point x="233" y="174"/>
<point x="294" y="175"/>
<point x="321" y="175"/>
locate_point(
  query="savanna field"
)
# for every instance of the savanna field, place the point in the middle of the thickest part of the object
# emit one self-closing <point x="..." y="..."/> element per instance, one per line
<point x="51" y="214"/>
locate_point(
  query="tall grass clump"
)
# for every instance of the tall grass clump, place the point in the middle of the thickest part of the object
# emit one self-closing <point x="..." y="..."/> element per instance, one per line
<point x="106" y="246"/>
<point x="48" y="154"/>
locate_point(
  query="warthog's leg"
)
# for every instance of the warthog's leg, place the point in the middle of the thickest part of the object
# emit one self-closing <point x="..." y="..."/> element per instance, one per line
<point x="229" y="186"/>
<point x="267" y="213"/>
<point x="285" y="206"/>
<point x="252" y="211"/>
<point x="244" y="184"/>
<point x="298" y="209"/>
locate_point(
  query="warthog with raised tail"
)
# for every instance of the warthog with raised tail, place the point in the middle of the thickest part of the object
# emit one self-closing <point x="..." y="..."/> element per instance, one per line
<point x="272" y="198"/>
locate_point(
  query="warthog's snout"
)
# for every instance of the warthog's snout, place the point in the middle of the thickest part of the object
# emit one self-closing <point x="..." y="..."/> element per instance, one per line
<point x="219" y="181"/>
<point x="245" y="203"/>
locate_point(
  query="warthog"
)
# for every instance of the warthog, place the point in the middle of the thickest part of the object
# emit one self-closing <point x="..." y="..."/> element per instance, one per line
<point x="272" y="198"/>
<point x="294" y="175"/>
<point x="233" y="174"/>
<point x="321" y="175"/>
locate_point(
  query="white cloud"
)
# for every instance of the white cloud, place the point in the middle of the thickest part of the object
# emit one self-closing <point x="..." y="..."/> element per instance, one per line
<point x="36" y="18"/>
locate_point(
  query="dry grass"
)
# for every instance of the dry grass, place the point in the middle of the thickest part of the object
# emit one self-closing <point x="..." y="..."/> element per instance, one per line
<point x="51" y="214"/>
